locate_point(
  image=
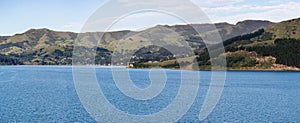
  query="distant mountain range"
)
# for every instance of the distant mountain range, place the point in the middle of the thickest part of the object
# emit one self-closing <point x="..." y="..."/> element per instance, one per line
<point x="48" y="47"/>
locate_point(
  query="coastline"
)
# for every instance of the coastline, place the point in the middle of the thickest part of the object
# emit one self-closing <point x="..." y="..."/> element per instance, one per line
<point x="103" y="66"/>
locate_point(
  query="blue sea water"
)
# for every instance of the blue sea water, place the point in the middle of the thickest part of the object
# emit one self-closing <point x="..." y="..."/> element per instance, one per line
<point x="48" y="94"/>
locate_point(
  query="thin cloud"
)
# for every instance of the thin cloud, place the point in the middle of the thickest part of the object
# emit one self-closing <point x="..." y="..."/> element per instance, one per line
<point x="215" y="3"/>
<point x="72" y="26"/>
<point x="235" y="13"/>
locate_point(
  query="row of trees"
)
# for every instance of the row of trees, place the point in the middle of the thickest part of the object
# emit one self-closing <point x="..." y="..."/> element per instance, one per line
<point x="5" y="60"/>
<point x="243" y="37"/>
<point x="287" y="51"/>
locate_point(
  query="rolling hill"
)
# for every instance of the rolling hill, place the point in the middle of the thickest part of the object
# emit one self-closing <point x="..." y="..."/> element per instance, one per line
<point x="276" y="48"/>
<point x="241" y="41"/>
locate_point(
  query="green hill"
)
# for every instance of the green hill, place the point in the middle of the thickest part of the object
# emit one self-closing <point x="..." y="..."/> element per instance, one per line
<point x="44" y="46"/>
<point x="250" y="44"/>
<point x="279" y="42"/>
<point x="286" y="29"/>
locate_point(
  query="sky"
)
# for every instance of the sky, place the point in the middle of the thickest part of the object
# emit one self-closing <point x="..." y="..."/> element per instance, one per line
<point x="18" y="16"/>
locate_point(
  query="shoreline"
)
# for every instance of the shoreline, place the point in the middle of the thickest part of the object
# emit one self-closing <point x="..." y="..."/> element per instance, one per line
<point x="103" y="66"/>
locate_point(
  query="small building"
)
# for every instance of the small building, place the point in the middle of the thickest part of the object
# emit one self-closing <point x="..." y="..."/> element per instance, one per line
<point x="130" y="65"/>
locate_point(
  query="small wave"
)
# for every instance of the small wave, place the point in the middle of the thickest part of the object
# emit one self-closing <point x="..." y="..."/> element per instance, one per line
<point x="8" y="76"/>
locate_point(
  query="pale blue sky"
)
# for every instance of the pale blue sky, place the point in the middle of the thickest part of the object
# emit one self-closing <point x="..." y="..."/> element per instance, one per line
<point x="18" y="16"/>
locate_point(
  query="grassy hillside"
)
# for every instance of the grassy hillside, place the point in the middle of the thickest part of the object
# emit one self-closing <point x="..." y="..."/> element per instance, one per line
<point x="249" y="45"/>
<point x="276" y="47"/>
<point x="44" y="46"/>
<point x="286" y="29"/>
<point x="280" y="42"/>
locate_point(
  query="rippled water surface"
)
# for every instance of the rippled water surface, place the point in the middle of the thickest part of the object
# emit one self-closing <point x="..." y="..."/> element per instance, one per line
<point x="48" y="94"/>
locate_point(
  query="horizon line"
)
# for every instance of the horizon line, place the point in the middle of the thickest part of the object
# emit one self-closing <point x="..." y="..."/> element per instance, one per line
<point x="143" y="28"/>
